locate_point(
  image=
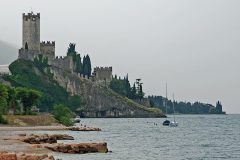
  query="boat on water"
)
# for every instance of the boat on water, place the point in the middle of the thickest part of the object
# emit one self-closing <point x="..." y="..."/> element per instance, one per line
<point x="166" y="122"/>
<point x="173" y="123"/>
<point x="77" y="119"/>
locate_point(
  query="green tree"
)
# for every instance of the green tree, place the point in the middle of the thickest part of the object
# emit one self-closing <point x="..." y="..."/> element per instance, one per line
<point x="41" y="62"/>
<point x="128" y="87"/>
<point x="71" y="50"/>
<point x="118" y="85"/>
<point x="76" y="58"/>
<point x="74" y="102"/>
<point x="3" y="99"/>
<point x="78" y="64"/>
<point x="12" y="99"/>
<point x="63" y="114"/>
<point x="134" y="92"/>
<point x="87" y="67"/>
<point x="151" y="103"/>
<point x="28" y="98"/>
<point x="140" y="92"/>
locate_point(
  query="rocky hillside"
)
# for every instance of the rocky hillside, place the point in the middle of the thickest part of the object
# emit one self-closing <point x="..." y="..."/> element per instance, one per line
<point x="97" y="99"/>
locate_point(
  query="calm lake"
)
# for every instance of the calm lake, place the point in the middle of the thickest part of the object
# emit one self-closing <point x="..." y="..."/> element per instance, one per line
<point x="197" y="137"/>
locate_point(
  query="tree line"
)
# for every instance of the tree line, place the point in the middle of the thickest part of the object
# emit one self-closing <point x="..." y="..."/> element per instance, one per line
<point x="13" y="98"/>
<point x="185" y="107"/>
<point x="123" y="87"/>
<point x="81" y="66"/>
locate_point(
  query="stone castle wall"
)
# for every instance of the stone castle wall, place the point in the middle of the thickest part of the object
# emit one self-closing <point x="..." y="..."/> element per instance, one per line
<point x="27" y="54"/>
<point x="103" y="73"/>
<point x="65" y="63"/>
<point x="31" y="31"/>
<point x="48" y="49"/>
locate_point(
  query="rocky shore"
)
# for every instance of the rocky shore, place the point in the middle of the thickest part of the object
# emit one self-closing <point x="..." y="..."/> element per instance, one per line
<point x="41" y="146"/>
<point x="23" y="156"/>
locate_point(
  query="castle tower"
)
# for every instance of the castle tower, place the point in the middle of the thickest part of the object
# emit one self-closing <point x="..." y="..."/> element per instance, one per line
<point x="31" y="31"/>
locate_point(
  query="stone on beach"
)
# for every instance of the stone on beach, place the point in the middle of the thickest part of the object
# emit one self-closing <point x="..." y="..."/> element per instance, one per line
<point x="83" y="129"/>
<point x="23" y="156"/>
<point x="8" y="156"/>
<point x="80" y="148"/>
<point x="39" y="139"/>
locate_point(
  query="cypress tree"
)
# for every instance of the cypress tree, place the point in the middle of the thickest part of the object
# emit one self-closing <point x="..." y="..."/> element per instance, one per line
<point x="89" y="66"/>
<point x="134" y="92"/>
<point x="140" y="92"/>
<point x="71" y="50"/>
<point x="84" y="66"/>
<point x="127" y="87"/>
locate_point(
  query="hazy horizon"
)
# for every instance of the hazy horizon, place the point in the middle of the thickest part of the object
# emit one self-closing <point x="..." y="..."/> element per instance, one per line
<point x="191" y="45"/>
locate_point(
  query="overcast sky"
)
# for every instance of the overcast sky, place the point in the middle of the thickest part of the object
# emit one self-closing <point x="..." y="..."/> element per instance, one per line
<point x="193" y="45"/>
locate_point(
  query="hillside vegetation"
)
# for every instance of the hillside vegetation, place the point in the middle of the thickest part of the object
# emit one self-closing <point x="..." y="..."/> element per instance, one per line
<point x="26" y="74"/>
<point x="81" y="95"/>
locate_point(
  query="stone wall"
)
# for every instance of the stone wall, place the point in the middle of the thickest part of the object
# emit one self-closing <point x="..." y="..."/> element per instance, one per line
<point x="65" y="63"/>
<point x="48" y="49"/>
<point x="27" y="54"/>
<point x="98" y="100"/>
<point x="103" y="73"/>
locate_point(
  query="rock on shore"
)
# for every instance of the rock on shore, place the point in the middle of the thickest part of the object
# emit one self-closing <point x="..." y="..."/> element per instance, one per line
<point x="38" y="139"/>
<point x="83" y="129"/>
<point x="80" y="148"/>
<point x="22" y="156"/>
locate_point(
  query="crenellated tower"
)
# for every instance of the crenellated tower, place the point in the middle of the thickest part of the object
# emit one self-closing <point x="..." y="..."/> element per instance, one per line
<point x="31" y="31"/>
<point x="103" y="73"/>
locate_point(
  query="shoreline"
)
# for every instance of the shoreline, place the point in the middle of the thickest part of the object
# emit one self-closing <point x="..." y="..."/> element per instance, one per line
<point x="32" y="128"/>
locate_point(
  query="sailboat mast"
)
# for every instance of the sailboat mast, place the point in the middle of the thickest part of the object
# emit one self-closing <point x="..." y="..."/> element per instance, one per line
<point x="173" y="109"/>
<point x="166" y="99"/>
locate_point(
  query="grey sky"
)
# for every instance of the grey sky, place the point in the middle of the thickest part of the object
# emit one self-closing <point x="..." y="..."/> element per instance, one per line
<point x="193" y="45"/>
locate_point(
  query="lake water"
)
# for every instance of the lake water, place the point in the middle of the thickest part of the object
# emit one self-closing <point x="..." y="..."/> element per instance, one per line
<point x="197" y="137"/>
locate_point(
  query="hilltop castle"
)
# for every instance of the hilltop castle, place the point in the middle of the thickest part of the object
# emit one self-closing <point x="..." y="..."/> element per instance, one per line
<point x="32" y="48"/>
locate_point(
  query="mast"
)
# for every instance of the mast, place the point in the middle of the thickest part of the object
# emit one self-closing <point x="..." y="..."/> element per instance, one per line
<point x="173" y="108"/>
<point x="166" y="99"/>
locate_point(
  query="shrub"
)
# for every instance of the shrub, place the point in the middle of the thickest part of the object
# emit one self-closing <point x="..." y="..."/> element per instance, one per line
<point x="63" y="114"/>
<point x="2" y="120"/>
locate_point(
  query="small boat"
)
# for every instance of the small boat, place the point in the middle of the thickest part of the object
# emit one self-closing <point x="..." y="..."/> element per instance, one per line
<point x="166" y="122"/>
<point x="77" y="119"/>
<point x="173" y="123"/>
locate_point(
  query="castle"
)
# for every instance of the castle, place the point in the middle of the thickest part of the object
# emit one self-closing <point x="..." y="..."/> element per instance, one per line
<point x="32" y="48"/>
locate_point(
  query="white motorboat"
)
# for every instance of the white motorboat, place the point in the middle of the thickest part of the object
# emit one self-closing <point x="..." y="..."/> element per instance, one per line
<point x="77" y="119"/>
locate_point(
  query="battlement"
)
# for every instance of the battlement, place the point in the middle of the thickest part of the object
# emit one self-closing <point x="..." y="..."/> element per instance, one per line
<point x="103" y="73"/>
<point x="48" y="48"/>
<point x="96" y="69"/>
<point x="31" y="16"/>
<point x="47" y="43"/>
<point x="64" y="62"/>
